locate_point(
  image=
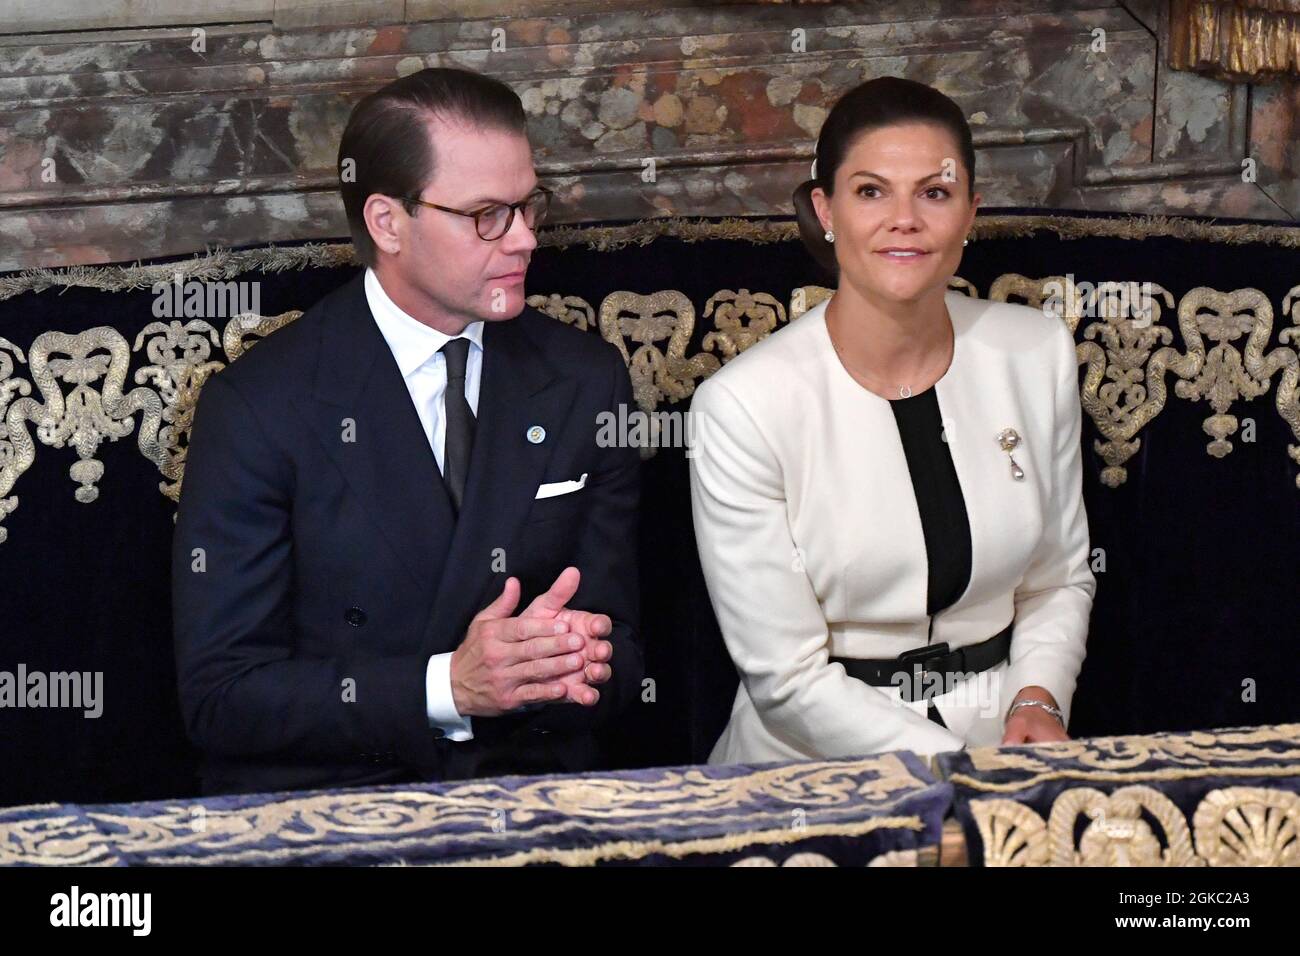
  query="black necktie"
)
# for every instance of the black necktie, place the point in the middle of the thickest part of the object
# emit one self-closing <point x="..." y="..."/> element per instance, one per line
<point x="460" y="421"/>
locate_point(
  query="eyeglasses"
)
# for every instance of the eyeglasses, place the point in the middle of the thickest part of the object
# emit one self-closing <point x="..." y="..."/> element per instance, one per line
<point x="494" y="221"/>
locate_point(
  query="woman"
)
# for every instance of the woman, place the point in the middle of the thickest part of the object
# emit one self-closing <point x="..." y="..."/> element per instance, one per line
<point x="887" y="491"/>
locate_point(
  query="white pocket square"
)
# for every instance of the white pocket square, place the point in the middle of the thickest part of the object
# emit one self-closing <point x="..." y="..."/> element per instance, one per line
<point x="561" y="487"/>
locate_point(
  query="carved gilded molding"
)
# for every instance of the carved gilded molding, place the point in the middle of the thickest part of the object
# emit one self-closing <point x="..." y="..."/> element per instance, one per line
<point x="1235" y="40"/>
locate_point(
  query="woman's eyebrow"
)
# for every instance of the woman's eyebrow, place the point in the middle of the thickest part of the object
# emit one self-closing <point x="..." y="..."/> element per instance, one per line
<point x="864" y="172"/>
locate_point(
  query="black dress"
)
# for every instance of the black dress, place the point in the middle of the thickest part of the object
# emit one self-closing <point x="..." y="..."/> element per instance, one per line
<point x="940" y="502"/>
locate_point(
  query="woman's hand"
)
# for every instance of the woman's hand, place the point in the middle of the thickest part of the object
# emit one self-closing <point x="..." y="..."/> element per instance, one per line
<point x="1032" y="725"/>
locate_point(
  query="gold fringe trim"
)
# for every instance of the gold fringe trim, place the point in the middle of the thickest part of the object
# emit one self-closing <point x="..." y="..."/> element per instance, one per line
<point x="223" y="264"/>
<point x="760" y="231"/>
<point x="608" y="238"/>
<point x="215" y="265"/>
<point x="1136" y="228"/>
<point x="1278" y="6"/>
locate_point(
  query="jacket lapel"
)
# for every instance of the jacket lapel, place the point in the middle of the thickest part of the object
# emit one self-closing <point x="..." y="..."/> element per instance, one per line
<point x="389" y="464"/>
<point x="519" y="389"/>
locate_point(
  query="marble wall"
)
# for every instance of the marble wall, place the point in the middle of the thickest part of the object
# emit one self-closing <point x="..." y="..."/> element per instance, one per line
<point x="152" y="130"/>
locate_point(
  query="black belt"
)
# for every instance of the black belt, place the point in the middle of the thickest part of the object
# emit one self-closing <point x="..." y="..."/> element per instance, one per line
<point x="930" y="659"/>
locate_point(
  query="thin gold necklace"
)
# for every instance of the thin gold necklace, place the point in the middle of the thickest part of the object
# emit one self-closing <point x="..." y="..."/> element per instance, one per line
<point x="904" y="391"/>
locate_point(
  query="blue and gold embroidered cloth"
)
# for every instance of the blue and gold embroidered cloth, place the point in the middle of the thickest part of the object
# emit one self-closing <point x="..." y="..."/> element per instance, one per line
<point x="881" y="809"/>
<point x="1220" y="798"/>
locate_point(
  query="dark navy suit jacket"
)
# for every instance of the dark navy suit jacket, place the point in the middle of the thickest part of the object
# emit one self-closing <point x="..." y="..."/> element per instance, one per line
<point x="317" y="562"/>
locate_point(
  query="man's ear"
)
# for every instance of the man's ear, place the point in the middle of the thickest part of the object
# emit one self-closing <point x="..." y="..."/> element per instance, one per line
<point x="385" y="218"/>
<point x="821" y="205"/>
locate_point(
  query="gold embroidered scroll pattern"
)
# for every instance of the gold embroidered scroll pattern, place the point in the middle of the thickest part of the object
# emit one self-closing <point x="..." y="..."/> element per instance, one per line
<point x="1126" y="354"/>
<point x="1248" y="826"/>
<point x="181" y="357"/>
<point x="1117" y="834"/>
<point x="87" y="415"/>
<point x="806" y="297"/>
<point x="958" y="284"/>
<point x="1288" y="389"/>
<point x="63" y="840"/>
<point x="16" y="450"/>
<point x="1069" y="305"/>
<point x="569" y="309"/>
<point x="247" y="328"/>
<point x="491" y="815"/>
<point x="1012" y="833"/>
<point x="182" y="362"/>
<point x="1221" y="376"/>
<point x="1128" y="332"/>
<point x="1104" y="757"/>
<point x="795" y="860"/>
<point x="740" y="319"/>
<point x="1231" y="826"/>
<point x="647" y="320"/>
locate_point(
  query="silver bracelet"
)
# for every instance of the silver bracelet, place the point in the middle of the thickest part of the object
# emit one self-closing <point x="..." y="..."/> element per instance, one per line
<point x="1055" y="712"/>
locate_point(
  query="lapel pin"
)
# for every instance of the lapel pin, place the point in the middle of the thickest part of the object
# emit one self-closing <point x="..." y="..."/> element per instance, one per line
<point x="536" y="434"/>
<point x="1009" y="439"/>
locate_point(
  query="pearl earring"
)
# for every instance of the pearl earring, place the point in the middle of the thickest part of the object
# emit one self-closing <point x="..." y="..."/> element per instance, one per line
<point x="830" y="236"/>
<point x="965" y="242"/>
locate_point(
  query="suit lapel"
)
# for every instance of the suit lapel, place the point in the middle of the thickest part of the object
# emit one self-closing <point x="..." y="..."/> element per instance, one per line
<point x="519" y="389"/>
<point x="388" y="464"/>
<point x="391" y="468"/>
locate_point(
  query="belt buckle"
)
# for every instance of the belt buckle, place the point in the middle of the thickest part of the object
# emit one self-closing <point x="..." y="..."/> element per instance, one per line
<point x="912" y="663"/>
<point x="922" y="654"/>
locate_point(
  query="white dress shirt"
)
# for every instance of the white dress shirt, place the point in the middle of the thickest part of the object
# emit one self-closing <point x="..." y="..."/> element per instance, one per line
<point x="415" y="347"/>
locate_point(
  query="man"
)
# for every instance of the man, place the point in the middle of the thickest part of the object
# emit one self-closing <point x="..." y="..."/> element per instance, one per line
<point x="400" y="552"/>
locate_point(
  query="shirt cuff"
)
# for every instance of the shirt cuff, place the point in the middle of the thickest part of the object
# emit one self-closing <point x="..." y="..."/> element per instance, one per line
<point x="439" y="702"/>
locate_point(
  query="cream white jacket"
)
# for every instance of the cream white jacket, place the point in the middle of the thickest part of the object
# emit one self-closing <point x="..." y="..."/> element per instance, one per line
<point x="812" y="547"/>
